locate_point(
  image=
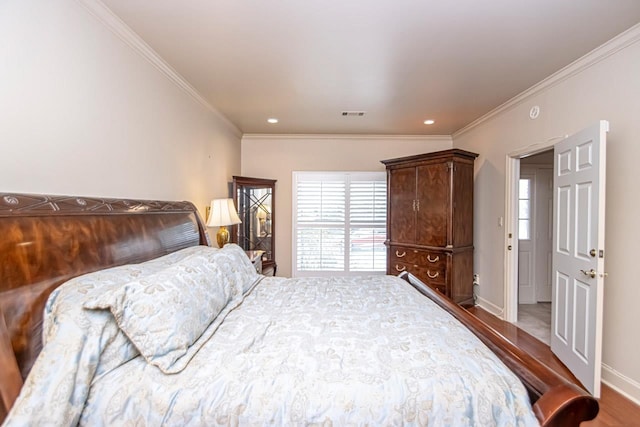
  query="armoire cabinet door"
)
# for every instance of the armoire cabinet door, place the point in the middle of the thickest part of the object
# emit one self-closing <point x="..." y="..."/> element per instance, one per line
<point x="402" y="194"/>
<point x="434" y="196"/>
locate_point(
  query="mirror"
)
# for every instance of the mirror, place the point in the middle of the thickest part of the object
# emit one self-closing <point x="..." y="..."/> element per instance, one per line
<point x="254" y="199"/>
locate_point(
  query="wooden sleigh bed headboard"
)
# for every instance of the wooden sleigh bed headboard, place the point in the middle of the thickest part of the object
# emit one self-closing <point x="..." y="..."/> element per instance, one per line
<point x="47" y="240"/>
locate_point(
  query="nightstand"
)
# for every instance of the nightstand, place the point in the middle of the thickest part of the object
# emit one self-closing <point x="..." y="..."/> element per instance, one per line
<point x="256" y="259"/>
<point x="269" y="268"/>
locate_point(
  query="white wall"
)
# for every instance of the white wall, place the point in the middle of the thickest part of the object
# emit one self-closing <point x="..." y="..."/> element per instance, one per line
<point x="607" y="89"/>
<point x="82" y="113"/>
<point x="276" y="157"/>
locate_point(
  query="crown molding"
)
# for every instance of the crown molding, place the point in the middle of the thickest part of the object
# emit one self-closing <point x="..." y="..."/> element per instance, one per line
<point x="103" y="14"/>
<point x="616" y="44"/>
<point x="346" y="136"/>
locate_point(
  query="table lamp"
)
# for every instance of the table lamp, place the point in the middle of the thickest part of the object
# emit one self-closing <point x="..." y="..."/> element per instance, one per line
<point x="261" y="214"/>
<point x="222" y="214"/>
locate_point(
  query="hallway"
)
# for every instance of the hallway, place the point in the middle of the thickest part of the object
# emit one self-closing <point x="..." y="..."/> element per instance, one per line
<point x="535" y="319"/>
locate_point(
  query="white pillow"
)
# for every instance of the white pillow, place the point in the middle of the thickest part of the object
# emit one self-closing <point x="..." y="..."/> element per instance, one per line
<point x="237" y="266"/>
<point x="165" y="313"/>
<point x="79" y="346"/>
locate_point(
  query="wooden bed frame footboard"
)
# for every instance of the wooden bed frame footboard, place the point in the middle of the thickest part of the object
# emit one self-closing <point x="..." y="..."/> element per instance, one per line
<point x="555" y="400"/>
<point x="47" y="240"/>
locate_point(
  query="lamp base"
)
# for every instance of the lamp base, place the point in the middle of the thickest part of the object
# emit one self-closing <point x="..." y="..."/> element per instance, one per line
<point x="222" y="236"/>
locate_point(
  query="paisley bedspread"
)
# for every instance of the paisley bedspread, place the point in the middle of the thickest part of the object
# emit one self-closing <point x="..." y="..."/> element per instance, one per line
<point x="307" y="351"/>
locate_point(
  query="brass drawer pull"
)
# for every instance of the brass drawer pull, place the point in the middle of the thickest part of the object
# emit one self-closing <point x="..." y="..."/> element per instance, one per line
<point x="400" y="269"/>
<point x="434" y="276"/>
<point x="433" y="260"/>
<point x="400" y="255"/>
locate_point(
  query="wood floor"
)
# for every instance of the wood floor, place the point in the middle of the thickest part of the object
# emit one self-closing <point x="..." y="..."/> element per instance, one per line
<point x="615" y="409"/>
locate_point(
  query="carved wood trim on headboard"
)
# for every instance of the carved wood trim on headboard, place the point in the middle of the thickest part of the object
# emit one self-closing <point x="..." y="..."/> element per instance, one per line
<point x="47" y="240"/>
<point x="48" y="205"/>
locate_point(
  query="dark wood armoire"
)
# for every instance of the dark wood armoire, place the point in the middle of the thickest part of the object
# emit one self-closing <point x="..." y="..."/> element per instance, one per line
<point x="430" y="220"/>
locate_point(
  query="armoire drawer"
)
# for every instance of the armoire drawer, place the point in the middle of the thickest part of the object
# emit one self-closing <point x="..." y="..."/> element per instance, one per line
<point x="397" y="267"/>
<point x="430" y="275"/>
<point x="416" y="256"/>
<point x="434" y="263"/>
<point x="434" y="278"/>
<point x="440" y="288"/>
<point x="406" y="255"/>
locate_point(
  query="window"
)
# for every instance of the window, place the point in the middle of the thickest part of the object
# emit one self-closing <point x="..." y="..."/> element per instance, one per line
<point x="524" y="209"/>
<point x="339" y="223"/>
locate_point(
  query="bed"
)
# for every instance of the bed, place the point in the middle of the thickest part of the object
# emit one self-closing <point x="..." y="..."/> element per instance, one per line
<point x="83" y="268"/>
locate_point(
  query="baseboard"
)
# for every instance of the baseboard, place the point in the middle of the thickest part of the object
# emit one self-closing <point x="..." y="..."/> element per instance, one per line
<point x="490" y="307"/>
<point x="622" y="384"/>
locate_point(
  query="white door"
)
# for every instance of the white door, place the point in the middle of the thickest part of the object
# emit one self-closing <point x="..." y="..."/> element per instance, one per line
<point x="526" y="259"/>
<point x="578" y="253"/>
<point x="543" y="232"/>
<point x="535" y="204"/>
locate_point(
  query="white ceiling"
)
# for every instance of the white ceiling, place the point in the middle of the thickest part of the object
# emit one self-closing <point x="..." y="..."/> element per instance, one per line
<point x="401" y="61"/>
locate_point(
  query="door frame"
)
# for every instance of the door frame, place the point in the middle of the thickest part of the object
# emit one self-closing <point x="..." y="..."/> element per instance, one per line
<point x="512" y="175"/>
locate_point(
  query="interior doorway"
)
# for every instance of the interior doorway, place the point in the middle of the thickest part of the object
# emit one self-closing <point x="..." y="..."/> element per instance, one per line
<point x="512" y="218"/>
<point x="535" y="233"/>
<point x="578" y="255"/>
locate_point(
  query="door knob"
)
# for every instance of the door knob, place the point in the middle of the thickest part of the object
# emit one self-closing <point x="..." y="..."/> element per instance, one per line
<point x="591" y="273"/>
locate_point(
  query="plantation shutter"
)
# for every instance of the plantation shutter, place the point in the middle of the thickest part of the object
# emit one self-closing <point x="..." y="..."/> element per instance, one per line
<point x="367" y="225"/>
<point x="339" y="222"/>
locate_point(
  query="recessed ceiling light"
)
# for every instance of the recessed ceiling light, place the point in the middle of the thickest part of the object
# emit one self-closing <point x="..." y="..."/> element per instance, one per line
<point x="429" y="122"/>
<point x="272" y="120"/>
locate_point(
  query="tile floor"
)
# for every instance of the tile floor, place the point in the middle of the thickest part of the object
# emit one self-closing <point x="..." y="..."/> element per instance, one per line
<point x="536" y="320"/>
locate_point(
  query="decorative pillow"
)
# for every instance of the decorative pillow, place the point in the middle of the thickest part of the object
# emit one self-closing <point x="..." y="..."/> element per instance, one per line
<point x="165" y="313"/>
<point x="80" y="346"/>
<point x="70" y="297"/>
<point x="237" y="266"/>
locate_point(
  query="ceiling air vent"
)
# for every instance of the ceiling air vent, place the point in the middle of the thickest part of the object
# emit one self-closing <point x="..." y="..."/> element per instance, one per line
<point x="354" y="113"/>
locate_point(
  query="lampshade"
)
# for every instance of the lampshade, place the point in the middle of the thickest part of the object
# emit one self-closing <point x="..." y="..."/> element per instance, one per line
<point x="223" y="212"/>
<point x="261" y="214"/>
